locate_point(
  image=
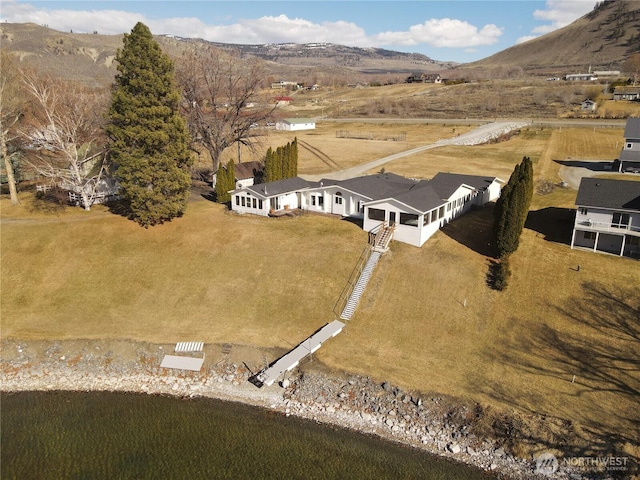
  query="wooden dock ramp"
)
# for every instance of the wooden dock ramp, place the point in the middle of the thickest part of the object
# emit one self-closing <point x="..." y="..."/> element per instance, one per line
<point x="291" y="359"/>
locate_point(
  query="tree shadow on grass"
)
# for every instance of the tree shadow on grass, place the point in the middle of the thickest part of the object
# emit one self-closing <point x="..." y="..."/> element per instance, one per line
<point x="601" y="347"/>
<point x="473" y="230"/>
<point x="552" y="223"/>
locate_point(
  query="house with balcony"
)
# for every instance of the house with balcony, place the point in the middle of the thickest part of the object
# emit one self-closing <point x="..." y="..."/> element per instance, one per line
<point x="630" y="155"/>
<point x="416" y="209"/>
<point x="608" y="217"/>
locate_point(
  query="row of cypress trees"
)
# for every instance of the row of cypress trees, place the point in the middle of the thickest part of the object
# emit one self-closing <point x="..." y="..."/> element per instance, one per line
<point x="510" y="214"/>
<point x="225" y="182"/>
<point x="281" y="163"/>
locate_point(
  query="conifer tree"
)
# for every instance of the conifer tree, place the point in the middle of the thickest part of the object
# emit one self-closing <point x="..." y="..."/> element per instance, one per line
<point x="148" y="138"/>
<point x="225" y="182"/>
<point x="512" y="208"/>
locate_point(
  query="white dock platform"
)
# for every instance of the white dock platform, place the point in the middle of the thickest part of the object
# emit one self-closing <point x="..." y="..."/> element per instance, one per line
<point x="307" y="347"/>
<point x="182" y="363"/>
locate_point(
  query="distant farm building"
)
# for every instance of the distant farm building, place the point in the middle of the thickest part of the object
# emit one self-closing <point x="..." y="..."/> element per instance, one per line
<point x="295" y="124"/>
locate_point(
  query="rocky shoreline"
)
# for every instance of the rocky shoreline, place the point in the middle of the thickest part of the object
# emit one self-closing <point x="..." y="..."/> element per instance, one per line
<point x="348" y="401"/>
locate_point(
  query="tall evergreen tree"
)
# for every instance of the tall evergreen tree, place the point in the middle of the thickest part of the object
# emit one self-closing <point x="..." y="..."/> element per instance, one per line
<point x="148" y="138"/>
<point x="225" y="182"/>
<point x="512" y="208"/>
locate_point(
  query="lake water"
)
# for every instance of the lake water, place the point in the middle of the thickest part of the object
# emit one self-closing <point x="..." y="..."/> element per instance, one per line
<point x="64" y="435"/>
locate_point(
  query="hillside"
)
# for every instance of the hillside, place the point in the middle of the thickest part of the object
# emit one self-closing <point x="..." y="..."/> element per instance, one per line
<point x="89" y="57"/>
<point x="601" y="40"/>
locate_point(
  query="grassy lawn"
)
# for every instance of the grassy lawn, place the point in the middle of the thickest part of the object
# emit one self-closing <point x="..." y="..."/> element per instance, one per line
<point x="427" y="322"/>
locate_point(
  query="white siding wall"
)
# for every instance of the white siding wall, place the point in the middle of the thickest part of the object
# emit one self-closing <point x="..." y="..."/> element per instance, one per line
<point x="243" y="202"/>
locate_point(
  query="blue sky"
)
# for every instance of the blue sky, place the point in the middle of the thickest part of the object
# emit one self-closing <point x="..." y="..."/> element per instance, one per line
<point x="460" y="31"/>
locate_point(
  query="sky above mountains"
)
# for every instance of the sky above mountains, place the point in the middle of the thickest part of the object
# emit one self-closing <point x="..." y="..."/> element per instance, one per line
<point x="445" y="30"/>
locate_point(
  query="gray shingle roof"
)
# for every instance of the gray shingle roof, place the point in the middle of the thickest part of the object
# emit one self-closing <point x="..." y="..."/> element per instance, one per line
<point x="607" y="193"/>
<point x="279" y="187"/>
<point x="375" y="187"/>
<point x="632" y="129"/>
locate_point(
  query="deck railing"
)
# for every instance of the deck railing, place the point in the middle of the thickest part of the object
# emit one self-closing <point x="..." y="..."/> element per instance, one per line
<point x="608" y="226"/>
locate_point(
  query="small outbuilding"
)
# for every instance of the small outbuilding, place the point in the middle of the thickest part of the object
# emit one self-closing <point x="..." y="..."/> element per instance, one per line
<point x="295" y="124"/>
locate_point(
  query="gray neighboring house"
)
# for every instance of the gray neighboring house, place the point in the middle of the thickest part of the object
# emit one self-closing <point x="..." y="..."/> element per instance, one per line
<point x="630" y="154"/>
<point x="417" y="208"/>
<point x="608" y="217"/>
<point x="626" y="93"/>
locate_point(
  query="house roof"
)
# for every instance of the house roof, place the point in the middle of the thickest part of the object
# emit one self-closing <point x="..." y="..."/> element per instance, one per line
<point x="272" y="189"/>
<point x="626" y="89"/>
<point x="632" y="129"/>
<point x="610" y="194"/>
<point x="447" y="183"/>
<point x="246" y="170"/>
<point x="295" y="121"/>
<point x="374" y="187"/>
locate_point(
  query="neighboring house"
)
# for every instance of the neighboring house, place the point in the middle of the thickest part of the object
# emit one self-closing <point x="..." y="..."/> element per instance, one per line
<point x="246" y="174"/>
<point x="282" y="84"/>
<point x="626" y="93"/>
<point x="629" y="160"/>
<point x="588" y="105"/>
<point x="581" y="77"/>
<point x="417" y="208"/>
<point x="424" y="78"/>
<point x="283" y="101"/>
<point x="608" y="217"/>
<point x="293" y="124"/>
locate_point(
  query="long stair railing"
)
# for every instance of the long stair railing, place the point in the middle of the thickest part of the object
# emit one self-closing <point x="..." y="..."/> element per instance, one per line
<point x="379" y="239"/>
<point x="345" y="294"/>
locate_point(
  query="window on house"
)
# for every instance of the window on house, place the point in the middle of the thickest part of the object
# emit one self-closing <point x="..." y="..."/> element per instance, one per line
<point x="313" y="200"/>
<point x="410" y="219"/>
<point x="338" y="198"/>
<point x="260" y="204"/>
<point x="237" y="200"/>
<point x="441" y="212"/>
<point x="254" y="203"/>
<point x="243" y="201"/>
<point x="376" y="214"/>
<point x="434" y="216"/>
<point x="620" y="220"/>
<point x="633" y="241"/>
<point x="590" y="235"/>
<point x="629" y="146"/>
<point x="448" y="207"/>
<point x="583" y="211"/>
<point x="320" y="200"/>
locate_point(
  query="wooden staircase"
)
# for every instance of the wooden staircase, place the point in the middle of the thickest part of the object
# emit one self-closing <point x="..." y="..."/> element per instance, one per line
<point x="378" y="244"/>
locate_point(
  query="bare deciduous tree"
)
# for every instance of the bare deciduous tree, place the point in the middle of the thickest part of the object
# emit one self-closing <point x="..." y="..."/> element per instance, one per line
<point x="11" y="108"/>
<point x="221" y="99"/>
<point x="66" y="136"/>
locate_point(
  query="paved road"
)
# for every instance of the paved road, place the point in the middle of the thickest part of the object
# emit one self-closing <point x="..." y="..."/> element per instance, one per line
<point x="474" y="137"/>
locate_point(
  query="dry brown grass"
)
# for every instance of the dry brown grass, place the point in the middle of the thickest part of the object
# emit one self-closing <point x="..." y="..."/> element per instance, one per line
<point x="218" y="277"/>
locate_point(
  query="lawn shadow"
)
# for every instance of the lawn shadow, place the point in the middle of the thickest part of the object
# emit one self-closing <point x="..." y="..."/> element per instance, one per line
<point x="473" y="230"/>
<point x="594" y="166"/>
<point x="597" y="353"/>
<point x="552" y="223"/>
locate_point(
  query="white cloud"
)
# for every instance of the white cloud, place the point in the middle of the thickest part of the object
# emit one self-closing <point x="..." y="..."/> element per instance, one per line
<point x="525" y="38"/>
<point x="559" y="13"/>
<point x="444" y="32"/>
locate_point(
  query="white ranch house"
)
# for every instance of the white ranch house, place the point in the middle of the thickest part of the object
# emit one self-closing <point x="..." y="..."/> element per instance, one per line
<point x="417" y="208"/>
<point x="608" y="217"/>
